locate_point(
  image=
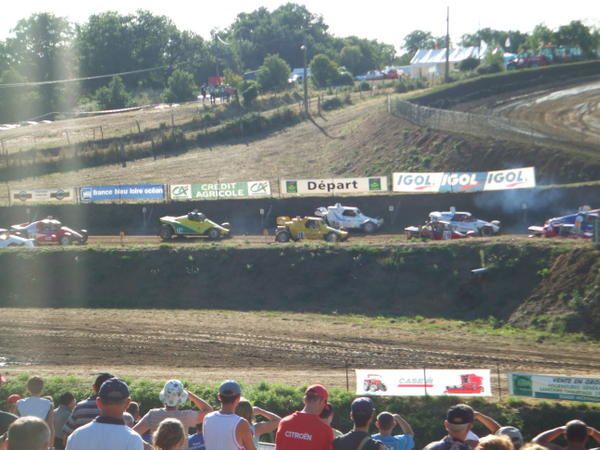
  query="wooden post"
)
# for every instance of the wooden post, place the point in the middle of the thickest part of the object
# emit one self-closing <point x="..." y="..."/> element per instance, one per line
<point x="499" y="383"/>
<point x="94" y="133"/>
<point x="68" y="137"/>
<point x="172" y="118"/>
<point x="137" y="122"/>
<point x="347" y="377"/>
<point x="122" y="152"/>
<point x="101" y="132"/>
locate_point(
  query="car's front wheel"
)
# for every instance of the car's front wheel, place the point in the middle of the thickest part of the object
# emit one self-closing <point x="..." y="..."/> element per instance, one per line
<point x="166" y="233"/>
<point x="331" y="237"/>
<point x="213" y="233"/>
<point x="486" y="231"/>
<point x="369" y="227"/>
<point x="65" y="240"/>
<point x="282" y="236"/>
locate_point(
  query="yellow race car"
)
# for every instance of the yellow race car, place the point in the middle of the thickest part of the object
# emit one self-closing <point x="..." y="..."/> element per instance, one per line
<point x="192" y="224"/>
<point x="313" y="228"/>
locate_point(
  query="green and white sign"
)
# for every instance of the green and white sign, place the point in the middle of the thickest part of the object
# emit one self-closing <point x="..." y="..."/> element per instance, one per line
<point x="214" y="191"/>
<point x="581" y="389"/>
<point x="331" y="186"/>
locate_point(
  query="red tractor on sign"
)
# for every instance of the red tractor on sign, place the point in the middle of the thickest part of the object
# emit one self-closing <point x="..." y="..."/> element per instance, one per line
<point x="373" y="383"/>
<point x="470" y="384"/>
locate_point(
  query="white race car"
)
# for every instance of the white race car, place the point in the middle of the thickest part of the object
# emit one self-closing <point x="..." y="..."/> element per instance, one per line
<point x="349" y="218"/>
<point x="464" y="222"/>
<point x="10" y="240"/>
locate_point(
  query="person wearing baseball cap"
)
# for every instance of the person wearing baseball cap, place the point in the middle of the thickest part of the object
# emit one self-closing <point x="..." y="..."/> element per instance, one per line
<point x="224" y="429"/>
<point x="108" y="430"/>
<point x="458" y="423"/>
<point x="362" y="412"/>
<point x="304" y="430"/>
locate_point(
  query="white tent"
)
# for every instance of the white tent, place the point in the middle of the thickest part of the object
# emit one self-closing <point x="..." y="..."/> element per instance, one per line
<point x="431" y="62"/>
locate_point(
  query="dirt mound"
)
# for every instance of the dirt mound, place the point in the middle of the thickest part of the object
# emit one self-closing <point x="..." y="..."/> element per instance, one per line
<point x="568" y="298"/>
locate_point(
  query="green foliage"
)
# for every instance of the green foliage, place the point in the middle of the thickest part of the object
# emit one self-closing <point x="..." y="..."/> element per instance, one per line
<point x="351" y="58"/>
<point x="493" y="63"/>
<point x="331" y="103"/>
<point x="364" y="86"/>
<point x="250" y="92"/>
<point x="468" y="64"/>
<point x="274" y="74"/>
<point x="113" y="96"/>
<point x="324" y="71"/>
<point x="344" y="79"/>
<point x="180" y="87"/>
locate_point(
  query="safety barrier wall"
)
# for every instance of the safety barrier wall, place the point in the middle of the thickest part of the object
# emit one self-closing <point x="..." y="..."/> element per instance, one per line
<point x="515" y="209"/>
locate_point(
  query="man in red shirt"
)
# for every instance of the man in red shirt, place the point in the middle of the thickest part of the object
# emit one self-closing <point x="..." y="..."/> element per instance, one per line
<point x="304" y="430"/>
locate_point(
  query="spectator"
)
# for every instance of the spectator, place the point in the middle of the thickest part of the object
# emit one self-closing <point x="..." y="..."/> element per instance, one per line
<point x="513" y="433"/>
<point x="326" y="416"/>
<point x="134" y="410"/>
<point x="173" y="395"/>
<point x="36" y="406"/>
<point x="108" y="430"/>
<point x="169" y="435"/>
<point x="458" y="423"/>
<point x="11" y="403"/>
<point x="6" y="419"/>
<point x="224" y="429"/>
<point x="575" y="432"/>
<point x="304" y="430"/>
<point x="247" y="411"/>
<point x="386" y="422"/>
<point x="28" y="433"/>
<point x="493" y="442"/>
<point x="86" y="410"/>
<point x="66" y="404"/>
<point x="196" y="440"/>
<point x="362" y="412"/>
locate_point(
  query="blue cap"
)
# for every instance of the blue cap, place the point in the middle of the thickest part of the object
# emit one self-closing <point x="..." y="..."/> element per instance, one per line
<point x="362" y="406"/>
<point x="113" y="390"/>
<point x="230" y="388"/>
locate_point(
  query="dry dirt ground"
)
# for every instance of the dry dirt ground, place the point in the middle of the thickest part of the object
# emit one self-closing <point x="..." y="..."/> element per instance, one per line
<point x="291" y="348"/>
<point x="572" y="112"/>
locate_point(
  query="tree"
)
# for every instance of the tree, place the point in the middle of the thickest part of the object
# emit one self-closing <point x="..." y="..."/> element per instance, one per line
<point x="180" y="87"/>
<point x="541" y="35"/>
<point x="351" y="58"/>
<point x="576" y="34"/>
<point x="250" y="92"/>
<point x="114" y="95"/>
<point x="324" y="71"/>
<point x="274" y="74"/>
<point x="418" y="39"/>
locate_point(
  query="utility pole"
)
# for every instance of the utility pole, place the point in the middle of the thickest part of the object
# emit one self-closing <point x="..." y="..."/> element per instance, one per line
<point x="447" y="71"/>
<point x="305" y="75"/>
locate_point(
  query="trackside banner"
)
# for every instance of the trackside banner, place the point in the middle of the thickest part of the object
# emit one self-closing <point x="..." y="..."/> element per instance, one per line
<point x="421" y="382"/>
<point x="331" y="186"/>
<point x="200" y="191"/>
<point x="445" y="182"/>
<point x="125" y="192"/>
<point x="33" y="196"/>
<point x="581" y="389"/>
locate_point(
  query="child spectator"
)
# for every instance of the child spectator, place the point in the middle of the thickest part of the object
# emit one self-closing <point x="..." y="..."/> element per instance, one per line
<point x="169" y="435"/>
<point x="247" y="411"/>
<point x="66" y="404"/>
<point x="386" y="422"/>
<point x="36" y="406"/>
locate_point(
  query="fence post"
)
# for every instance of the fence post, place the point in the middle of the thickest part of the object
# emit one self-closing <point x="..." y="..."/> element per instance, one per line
<point x="68" y="137"/>
<point x="425" y="381"/>
<point x="499" y="383"/>
<point x="101" y="132"/>
<point x="347" y="377"/>
<point x="137" y="122"/>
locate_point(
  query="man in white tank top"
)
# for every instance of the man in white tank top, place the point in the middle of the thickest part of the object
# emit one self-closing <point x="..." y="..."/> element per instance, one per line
<point x="224" y="429"/>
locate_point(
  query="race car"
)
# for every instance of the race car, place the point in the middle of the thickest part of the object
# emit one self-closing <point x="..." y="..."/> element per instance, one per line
<point x="465" y="222"/>
<point x="49" y="231"/>
<point x="10" y="240"/>
<point x="300" y="228"/>
<point x="437" y="230"/>
<point x="348" y="218"/>
<point x="577" y="225"/>
<point x="193" y="223"/>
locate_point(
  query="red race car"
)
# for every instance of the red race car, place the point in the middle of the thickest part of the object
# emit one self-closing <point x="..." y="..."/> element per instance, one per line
<point x="50" y="231"/>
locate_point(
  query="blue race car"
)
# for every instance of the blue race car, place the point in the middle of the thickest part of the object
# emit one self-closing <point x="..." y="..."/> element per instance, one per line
<point x="577" y="225"/>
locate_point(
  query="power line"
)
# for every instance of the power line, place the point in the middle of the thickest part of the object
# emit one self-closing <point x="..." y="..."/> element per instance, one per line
<point x="95" y="77"/>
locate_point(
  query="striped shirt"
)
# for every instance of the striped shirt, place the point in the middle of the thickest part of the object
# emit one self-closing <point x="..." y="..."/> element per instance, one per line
<point x="84" y="412"/>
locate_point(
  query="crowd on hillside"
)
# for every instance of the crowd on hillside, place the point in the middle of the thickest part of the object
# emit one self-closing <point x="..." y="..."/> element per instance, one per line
<point x="110" y="420"/>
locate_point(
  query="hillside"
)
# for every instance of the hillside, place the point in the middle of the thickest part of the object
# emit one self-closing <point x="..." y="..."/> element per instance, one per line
<point x="361" y="139"/>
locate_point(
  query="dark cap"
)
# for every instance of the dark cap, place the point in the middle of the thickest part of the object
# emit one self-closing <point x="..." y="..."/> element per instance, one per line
<point x="113" y="391"/>
<point x="317" y="390"/>
<point x="460" y="415"/>
<point x="362" y="406"/>
<point x="230" y="388"/>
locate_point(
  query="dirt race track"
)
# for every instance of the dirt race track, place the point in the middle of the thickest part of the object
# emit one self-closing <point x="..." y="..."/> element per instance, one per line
<point x="290" y="348"/>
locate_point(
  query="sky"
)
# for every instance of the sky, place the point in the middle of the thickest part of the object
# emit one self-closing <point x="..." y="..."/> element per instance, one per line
<point x="386" y="20"/>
